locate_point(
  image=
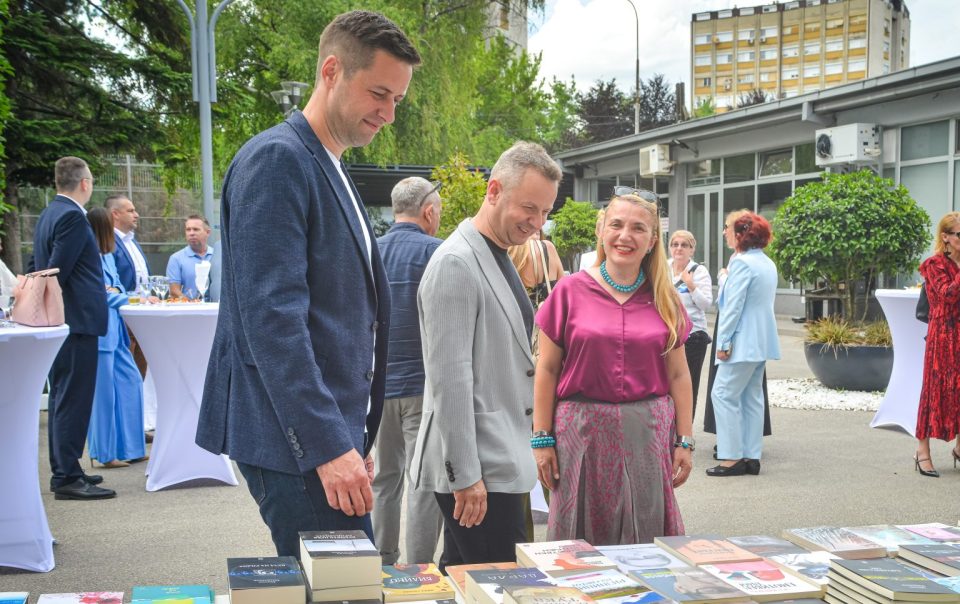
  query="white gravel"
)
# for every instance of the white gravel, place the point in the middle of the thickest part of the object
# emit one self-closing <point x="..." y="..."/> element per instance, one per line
<point x="806" y="393"/>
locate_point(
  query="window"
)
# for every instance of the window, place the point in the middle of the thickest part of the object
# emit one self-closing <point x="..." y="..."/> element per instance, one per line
<point x="856" y="42"/>
<point x="701" y="60"/>
<point x="833" y="68"/>
<point x="806" y="158"/>
<point x="811" y="48"/>
<point x="702" y="17"/>
<point x="769" y="32"/>
<point x="767" y="55"/>
<point x="724" y="58"/>
<point x="886" y="46"/>
<point x="745" y="34"/>
<point x="725" y="101"/>
<point x="770" y="8"/>
<point x="768" y="76"/>
<point x="834" y="23"/>
<point x="773" y="163"/>
<point x="746" y="78"/>
<point x="724" y="14"/>
<point x="703" y="172"/>
<point x="811" y="71"/>
<point x="857" y="65"/>
<point x="834" y="45"/>
<point x="724" y="36"/>
<point x="791" y="51"/>
<point x="812" y="28"/>
<point x="924" y="140"/>
<point x="745" y="56"/>
<point x="746" y="12"/>
<point x="738" y="168"/>
<point x="791" y="74"/>
<point x="789" y="30"/>
<point x="706" y="82"/>
<point x="789" y="93"/>
<point x="702" y="39"/>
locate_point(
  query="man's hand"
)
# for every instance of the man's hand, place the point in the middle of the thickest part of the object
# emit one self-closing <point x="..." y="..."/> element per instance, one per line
<point x="346" y="483"/>
<point x="368" y="462"/>
<point x="471" y="504"/>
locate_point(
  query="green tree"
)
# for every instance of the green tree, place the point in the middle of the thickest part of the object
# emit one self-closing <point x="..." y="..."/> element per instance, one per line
<point x="846" y="229"/>
<point x="705" y="108"/>
<point x="562" y="121"/>
<point x="606" y="113"/>
<point x="462" y="190"/>
<point x="574" y="230"/>
<point x="5" y="70"/>
<point x="657" y="106"/>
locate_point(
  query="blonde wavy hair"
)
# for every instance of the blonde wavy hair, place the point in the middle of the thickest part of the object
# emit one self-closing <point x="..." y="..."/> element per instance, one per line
<point x="654" y="265"/>
<point x="946" y="224"/>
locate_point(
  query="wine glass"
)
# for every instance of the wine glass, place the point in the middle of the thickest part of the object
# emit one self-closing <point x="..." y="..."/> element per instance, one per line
<point x="202" y="272"/>
<point x="161" y="285"/>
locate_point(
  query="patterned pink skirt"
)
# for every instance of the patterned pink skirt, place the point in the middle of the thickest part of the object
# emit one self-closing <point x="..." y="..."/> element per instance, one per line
<point x="616" y="474"/>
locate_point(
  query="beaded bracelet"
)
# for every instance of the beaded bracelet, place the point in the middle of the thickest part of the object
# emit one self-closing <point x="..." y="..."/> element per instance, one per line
<point x="540" y="442"/>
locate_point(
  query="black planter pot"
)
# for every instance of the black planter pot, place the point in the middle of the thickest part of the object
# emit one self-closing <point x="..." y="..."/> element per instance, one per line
<point x="864" y="368"/>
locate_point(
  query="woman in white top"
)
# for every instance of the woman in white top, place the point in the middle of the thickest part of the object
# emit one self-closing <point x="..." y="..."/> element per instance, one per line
<point x="695" y="287"/>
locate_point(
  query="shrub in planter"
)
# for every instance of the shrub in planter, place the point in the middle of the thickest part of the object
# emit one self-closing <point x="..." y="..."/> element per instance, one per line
<point x="846" y="228"/>
<point x="847" y="356"/>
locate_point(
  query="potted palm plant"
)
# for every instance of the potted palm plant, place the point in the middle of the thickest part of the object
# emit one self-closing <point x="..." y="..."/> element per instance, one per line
<point x="842" y="232"/>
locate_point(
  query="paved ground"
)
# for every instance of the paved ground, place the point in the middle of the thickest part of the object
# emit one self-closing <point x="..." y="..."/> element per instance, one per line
<point x="819" y="467"/>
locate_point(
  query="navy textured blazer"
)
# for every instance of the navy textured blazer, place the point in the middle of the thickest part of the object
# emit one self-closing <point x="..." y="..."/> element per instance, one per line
<point x="125" y="266"/>
<point x="292" y="368"/>
<point x="64" y="239"/>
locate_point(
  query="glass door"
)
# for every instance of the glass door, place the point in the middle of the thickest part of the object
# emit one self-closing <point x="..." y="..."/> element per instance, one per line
<point x="705" y="221"/>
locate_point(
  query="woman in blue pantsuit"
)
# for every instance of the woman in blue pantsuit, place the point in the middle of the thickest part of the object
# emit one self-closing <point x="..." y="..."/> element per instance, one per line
<point x="116" y="424"/>
<point x="746" y="339"/>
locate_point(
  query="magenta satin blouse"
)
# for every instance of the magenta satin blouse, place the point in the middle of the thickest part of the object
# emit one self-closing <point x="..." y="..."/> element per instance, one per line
<point x="612" y="353"/>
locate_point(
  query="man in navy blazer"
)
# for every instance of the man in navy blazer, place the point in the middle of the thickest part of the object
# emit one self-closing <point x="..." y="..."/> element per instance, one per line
<point x="63" y="239"/>
<point x="294" y="388"/>
<point x="131" y="262"/>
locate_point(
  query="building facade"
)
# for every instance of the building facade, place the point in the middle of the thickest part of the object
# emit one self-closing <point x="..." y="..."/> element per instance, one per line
<point x="756" y="156"/>
<point x="794" y="47"/>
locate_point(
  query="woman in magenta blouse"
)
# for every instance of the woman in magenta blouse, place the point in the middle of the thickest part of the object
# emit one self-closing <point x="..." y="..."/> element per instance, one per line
<point x="612" y="413"/>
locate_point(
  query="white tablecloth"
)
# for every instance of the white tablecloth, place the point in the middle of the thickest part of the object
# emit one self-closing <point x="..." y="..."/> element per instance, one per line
<point x="26" y="354"/>
<point x="900" y="403"/>
<point x="176" y="340"/>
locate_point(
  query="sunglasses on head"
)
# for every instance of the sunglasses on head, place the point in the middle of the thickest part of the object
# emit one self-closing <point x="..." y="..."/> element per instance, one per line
<point x="433" y="189"/>
<point x="641" y="193"/>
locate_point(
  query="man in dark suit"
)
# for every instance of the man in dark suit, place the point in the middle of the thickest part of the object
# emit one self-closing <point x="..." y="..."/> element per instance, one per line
<point x="295" y="385"/>
<point x="63" y="239"/>
<point x="131" y="261"/>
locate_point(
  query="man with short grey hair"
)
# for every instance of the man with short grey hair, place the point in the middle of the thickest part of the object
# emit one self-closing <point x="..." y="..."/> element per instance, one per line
<point x="473" y="450"/>
<point x="406" y="250"/>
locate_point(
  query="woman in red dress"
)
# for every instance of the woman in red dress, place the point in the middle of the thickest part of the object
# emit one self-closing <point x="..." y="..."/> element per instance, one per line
<point x="939" y="415"/>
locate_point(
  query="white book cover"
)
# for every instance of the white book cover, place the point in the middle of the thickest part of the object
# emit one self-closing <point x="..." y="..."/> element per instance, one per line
<point x="763" y="580"/>
<point x="640" y="556"/>
<point x="813" y="566"/>
<point x="91" y="597"/>
<point x="607" y="585"/>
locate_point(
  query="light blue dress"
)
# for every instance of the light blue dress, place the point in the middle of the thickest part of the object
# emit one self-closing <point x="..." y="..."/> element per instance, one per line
<point x="116" y="424"/>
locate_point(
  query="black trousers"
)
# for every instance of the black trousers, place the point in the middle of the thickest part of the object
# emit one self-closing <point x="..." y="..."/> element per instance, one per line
<point x="493" y="540"/>
<point x="696" y="350"/>
<point x="73" y="379"/>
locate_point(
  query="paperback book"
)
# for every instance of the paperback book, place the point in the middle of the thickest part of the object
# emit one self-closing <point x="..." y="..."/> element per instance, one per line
<point x="835" y="540"/>
<point x="551" y="594"/>
<point x="606" y="586"/>
<point x="182" y="594"/>
<point x="14" y="597"/>
<point x="87" y="597"/>
<point x="274" y="580"/>
<point x="704" y="549"/>
<point x="339" y="559"/>
<point x="689" y="585"/>
<point x="766" y="546"/>
<point x="486" y="586"/>
<point x="890" y="536"/>
<point x="762" y="581"/>
<point x="413" y="582"/>
<point x="892" y="580"/>
<point x="560" y="558"/>
<point x="458" y="574"/>
<point x="640" y="556"/>
<point x="811" y="566"/>
<point x="943" y="558"/>
<point x="935" y="531"/>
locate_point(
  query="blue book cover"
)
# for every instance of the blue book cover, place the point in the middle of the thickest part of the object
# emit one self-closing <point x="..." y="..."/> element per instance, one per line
<point x="182" y="594"/>
<point x="13" y="597"/>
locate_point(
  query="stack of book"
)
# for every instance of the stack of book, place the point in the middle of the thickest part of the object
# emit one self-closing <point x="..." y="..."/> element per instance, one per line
<point x="415" y="583"/>
<point x="561" y="558"/>
<point x="486" y="586"/>
<point x="882" y="581"/>
<point x="942" y="558"/>
<point x="93" y="597"/>
<point x="458" y="575"/>
<point x="274" y="580"/>
<point x="341" y="565"/>
<point x="150" y="594"/>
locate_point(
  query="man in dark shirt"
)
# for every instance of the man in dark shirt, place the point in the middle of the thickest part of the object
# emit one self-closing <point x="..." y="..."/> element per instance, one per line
<point x="406" y="249"/>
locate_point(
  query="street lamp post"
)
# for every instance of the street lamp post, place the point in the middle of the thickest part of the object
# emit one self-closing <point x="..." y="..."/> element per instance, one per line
<point x="290" y="96"/>
<point x="204" y="70"/>
<point x="636" y="89"/>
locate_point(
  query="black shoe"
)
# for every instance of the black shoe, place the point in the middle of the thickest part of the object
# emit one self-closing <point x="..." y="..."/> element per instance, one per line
<point x="753" y="466"/>
<point x="737" y="469"/>
<point x="81" y="489"/>
<point x="89" y="478"/>
<point x="929" y="473"/>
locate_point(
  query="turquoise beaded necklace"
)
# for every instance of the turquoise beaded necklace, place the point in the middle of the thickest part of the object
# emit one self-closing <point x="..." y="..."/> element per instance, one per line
<point x="627" y="289"/>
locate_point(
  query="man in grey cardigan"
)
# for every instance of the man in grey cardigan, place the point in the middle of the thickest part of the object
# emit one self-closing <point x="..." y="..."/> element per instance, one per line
<point x="473" y="448"/>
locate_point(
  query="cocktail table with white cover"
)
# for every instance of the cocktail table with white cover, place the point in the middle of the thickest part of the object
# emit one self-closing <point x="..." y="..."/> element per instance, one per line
<point x="902" y="399"/>
<point x="176" y="339"/>
<point x="26" y="354"/>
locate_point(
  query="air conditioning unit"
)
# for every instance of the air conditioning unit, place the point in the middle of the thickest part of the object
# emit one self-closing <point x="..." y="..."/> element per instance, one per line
<point x="716" y="39"/>
<point x="750" y="41"/>
<point x="852" y="143"/>
<point x="763" y="39"/>
<point x="655" y="161"/>
<point x="727" y="85"/>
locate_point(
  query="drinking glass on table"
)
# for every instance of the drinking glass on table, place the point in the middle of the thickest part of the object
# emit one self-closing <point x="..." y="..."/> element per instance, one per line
<point x="202" y="271"/>
<point x="161" y="287"/>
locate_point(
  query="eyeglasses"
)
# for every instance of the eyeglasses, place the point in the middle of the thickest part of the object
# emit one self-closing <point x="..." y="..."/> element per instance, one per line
<point x="641" y="193"/>
<point x="725" y="227"/>
<point x="954" y="233"/>
<point x="433" y="189"/>
<point x="680" y="244"/>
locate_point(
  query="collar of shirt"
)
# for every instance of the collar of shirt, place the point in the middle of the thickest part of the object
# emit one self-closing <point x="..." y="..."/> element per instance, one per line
<point x="125" y="237"/>
<point x="407" y="226"/>
<point x="83" y="209"/>
<point x="192" y="254"/>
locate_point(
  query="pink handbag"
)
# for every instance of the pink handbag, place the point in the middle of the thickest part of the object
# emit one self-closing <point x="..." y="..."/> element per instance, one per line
<point x="38" y="299"/>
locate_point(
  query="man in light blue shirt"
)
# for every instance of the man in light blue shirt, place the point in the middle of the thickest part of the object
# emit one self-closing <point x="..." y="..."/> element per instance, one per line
<point x="181" y="268"/>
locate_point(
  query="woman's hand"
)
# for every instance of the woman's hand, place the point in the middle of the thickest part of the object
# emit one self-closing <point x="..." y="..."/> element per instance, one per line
<point x="723" y="355"/>
<point x="682" y="465"/>
<point x="548" y="471"/>
<point x="688" y="280"/>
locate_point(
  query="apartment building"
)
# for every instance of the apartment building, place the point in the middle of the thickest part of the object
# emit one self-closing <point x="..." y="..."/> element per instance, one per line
<point x="794" y="47"/>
